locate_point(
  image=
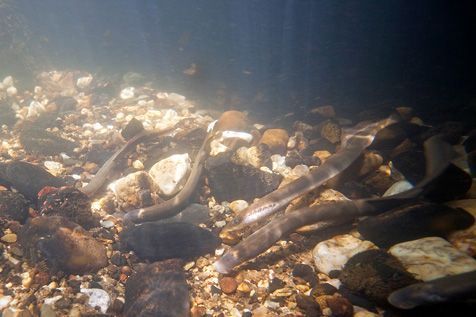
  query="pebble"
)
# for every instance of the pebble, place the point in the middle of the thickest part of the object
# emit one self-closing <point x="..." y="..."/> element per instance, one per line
<point x="276" y="140"/>
<point x="9" y="238"/>
<point x="244" y="287"/>
<point x="47" y="311"/>
<point x="84" y="82"/>
<point x="431" y="258"/>
<point x="4" y="301"/>
<point x="12" y="91"/>
<point x="107" y="224"/>
<point x="169" y="174"/>
<point x="97" y="297"/>
<point x="238" y="205"/>
<point x="127" y="93"/>
<point x="228" y="285"/>
<point x="15" y="312"/>
<point x="332" y="254"/>
<point x="127" y="189"/>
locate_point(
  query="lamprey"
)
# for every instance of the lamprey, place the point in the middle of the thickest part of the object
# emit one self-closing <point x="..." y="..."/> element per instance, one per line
<point x="105" y="171"/>
<point x="351" y="149"/>
<point x="445" y="289"/>
<point x="173" y="206"/>
<point x="438" y="155"/>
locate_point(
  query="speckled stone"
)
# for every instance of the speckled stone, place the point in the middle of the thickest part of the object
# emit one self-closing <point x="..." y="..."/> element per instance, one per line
<point x="431" y="258"/>
<point x="127" y="189"/>
<point x="169" y="174"/>
<point x="332" y="254"/>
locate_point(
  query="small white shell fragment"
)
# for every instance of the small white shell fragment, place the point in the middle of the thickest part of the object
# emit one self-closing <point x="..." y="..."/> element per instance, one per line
<point x="106" y="224"/>
<point x="97" y="297"/>
<point x="169" y="174"/>
<point x="127" y="93"/>
<point x="84" y="82"/>
<point x="431" y="258"/>
<point x="334" y="253"/>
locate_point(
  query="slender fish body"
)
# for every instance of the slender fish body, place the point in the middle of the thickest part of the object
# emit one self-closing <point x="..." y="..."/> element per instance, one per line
<point x="438" y="155"/>
<point x="441" y="290"/>
<point x="105" y="171"/>
<point x="269" y="204"/>
<point x="173" y="206"/>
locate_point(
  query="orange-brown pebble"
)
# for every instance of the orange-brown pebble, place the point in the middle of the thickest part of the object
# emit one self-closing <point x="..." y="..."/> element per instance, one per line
<point x="232" y="120"/>
<point x="276" y="140"/>
<point x="198" y="311"/>
<point x="42" y="278"/>
<point x="340" y="306"/>
<point x="126" y="270"/>
<point x="228" y="285"/>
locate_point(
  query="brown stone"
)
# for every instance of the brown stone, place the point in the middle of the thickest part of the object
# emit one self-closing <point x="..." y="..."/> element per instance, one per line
<point x="232" y="120"/>
<point x="276" y="140"/>
<point x="228" y="285"/>
<point x="340" y="306"/>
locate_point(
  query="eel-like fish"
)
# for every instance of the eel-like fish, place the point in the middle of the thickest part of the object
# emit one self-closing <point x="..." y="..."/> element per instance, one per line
<point x="105" y="171"/>
<point x="441" y="290"/>
<point x="173" y="206"/>
<point x="351" y="149"/>
<point x="438" y="155"/>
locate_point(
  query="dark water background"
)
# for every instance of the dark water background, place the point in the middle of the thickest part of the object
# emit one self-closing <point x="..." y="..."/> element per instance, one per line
<point x="265" y="56"/>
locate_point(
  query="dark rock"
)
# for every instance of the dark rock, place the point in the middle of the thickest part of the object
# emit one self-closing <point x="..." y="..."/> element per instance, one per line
<point x="68" y="202"/>
<point x="118" y="259"/>
<point x="132" y="128"/>
<point x="13" y="206"/>
<point x="323" y="289"/>
<point x="63" y="244"/>
<point x="470" y="142"/>
<point x="275" y="284"/>
<point x="305" y="272"/>
<point x="319" y="144"/>
<point x="357" y="300"/>
<point x="452" y="184"/>
<point x="309" y="305"/>
<point x="413" y="222"/>
<point x="38" y="141"/>
<point x="7" y="114"/>
<point x="65" y="104"/>
<point x="387" y="139"/>
<point x="158" y="289"/>
<point x="230" y="181"/>
<point x="27" y="178"/>
<point x="159" y="241"/>
<point x="411" y="164"/>
<point x="375" y="274"/>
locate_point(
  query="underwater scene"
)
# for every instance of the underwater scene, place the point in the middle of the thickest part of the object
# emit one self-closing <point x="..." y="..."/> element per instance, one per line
<point x="220" y="158"/>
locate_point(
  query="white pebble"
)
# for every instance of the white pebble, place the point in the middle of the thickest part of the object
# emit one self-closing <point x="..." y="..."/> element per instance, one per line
<point x="84" y="82"/>
<point x="97" y="297"/>
<point x="332" y="254"/>
<point x="127" y="93"/>
<point x="4" y="301"/>
<point x="12" y="91"/>
<point x="7" y="81"/>
<point x="169" y="173"/>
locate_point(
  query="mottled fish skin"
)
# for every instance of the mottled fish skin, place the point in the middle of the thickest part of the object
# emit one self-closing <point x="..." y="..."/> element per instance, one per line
<point x="271" y="203"/>
<point x="173" y="206"/>
<point x="441" y="290"/>
<point x="105" y="171"/>
<point x="336" y="213"/>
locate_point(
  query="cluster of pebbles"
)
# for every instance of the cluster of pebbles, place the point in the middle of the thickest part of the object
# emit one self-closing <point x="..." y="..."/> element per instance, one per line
<point x="66" y="254"/>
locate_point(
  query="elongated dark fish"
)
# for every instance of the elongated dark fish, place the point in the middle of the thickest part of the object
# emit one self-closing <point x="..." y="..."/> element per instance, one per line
<point x="269" y="204"/>
<point x="173" y="206"/>
<point x="453" y="287"/>
<point x="105" y="171"/>
<point x="438" y="154"/>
